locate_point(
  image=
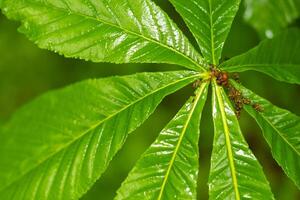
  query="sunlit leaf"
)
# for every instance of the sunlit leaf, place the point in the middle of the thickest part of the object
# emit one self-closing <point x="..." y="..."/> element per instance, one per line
<point x="118" y="31"/>
<point x="235" y="173"/>
<point x="210" y="22"/>
<point x="57" y="146"/>
<point x="169" y="168"/>
<point x="281" y="129"/>
<point x="268" y="17"/>
<point x="278" y="57"/>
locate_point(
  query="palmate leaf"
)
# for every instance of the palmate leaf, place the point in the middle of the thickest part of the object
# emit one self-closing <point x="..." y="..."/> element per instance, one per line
<point x="118" y="31"/>
<point x="57" y="146"/>
<point x="210" y="22"/>
<point x="277" y="57"/>
<point x="169" y="168"/>
<point x="235" y="172"/>
<point x="268" y="17"/>
<point x="281" y="129"/>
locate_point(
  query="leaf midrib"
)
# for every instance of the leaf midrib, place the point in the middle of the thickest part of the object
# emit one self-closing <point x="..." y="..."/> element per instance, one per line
<point x="98" y="124"/>
<point x="258" y="65"/>
<point x="212" y="34"/>
<point x="129" y="32"/>
<point x="249" y="109"/>
<point x="228" y="142"/>
<point x="180" y="140"/>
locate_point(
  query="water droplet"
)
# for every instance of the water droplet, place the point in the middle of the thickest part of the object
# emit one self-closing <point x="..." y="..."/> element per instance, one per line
<point x="248" y="13"/>
<point x="269" y="33"/>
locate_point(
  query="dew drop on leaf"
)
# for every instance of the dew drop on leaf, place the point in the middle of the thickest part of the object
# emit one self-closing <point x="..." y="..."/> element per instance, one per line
<point x="269" y="33"/>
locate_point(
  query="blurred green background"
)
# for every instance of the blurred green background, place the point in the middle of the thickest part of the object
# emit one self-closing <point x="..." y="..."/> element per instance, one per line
<point x="27" y="71"/>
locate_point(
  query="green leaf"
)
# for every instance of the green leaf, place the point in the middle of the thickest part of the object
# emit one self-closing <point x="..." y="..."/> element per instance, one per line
<point x="268" y="17"/>
<point x="281" y="129"/>
<point x="235" y="172"/>
<point x="57" y="146"/>
<point x="169" y="168"/>
<point x="118" y="31"/>
<point x="277" y="57"/>
<point x="210" y="22"/>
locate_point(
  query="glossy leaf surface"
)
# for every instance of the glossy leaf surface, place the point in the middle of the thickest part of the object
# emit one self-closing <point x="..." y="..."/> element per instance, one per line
<point x="235" y="173"/>
<point x="57" y="146"/>
<point x="281" y="129"/>
<point x="210" y="22"/>
<point x="169" y="168"/>
<point x="118" y="31"/>
<point x="278" y="57"/>
<point x="268" y="17"/>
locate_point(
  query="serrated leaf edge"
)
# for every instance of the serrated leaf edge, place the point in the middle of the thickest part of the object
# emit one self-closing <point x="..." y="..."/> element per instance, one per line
<point x="100" y="122"/>
<point x="129" y="32"/>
